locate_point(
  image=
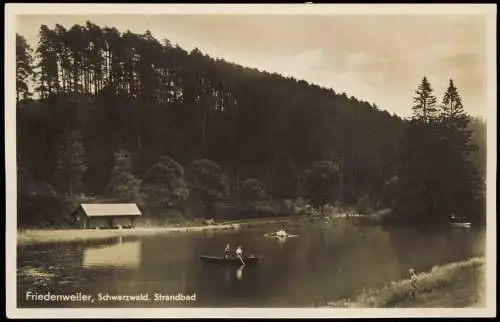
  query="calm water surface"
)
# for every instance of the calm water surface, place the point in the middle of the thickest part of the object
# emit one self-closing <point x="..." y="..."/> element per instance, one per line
<point x="324" y="263"/>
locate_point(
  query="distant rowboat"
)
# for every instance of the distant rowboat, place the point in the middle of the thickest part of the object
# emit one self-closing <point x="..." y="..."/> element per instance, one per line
<point x="280" y="234"/>
<point x="461" y="224"/>
<point x="274" y="235"/>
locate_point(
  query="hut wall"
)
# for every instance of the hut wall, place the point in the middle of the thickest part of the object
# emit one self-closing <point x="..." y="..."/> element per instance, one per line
<point x="124" y="221"/>
<point x="94" y="222"/>
<point x="105" y="222"/>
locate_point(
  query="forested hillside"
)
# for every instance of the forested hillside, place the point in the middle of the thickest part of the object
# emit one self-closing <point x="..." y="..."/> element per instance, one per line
<point x="125" y="117"/>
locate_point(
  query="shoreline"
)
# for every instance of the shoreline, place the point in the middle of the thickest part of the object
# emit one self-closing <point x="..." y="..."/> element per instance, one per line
<point x="40" y="236"/>
<point x="54" y="235"/>
<point x="454" y="285"/>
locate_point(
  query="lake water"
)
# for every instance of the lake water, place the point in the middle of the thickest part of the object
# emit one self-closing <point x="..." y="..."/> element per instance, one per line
<point x="324" y="262"/>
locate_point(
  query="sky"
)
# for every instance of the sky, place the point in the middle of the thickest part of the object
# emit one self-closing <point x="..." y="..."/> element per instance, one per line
<point x="377" y="58"/>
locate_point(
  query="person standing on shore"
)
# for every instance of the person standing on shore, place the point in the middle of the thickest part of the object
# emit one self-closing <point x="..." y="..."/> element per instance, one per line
<point x="413" y="285"/>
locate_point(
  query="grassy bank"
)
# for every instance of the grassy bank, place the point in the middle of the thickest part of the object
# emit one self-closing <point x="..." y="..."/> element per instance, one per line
<point x="456" y="285"/>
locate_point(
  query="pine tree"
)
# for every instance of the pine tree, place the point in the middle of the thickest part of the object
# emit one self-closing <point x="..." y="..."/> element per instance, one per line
<point x="424" y="110"/>
<point x="419" y="185"/>
<point x="47" y="62"/>
<point x="77" y="46"/>
<point x="417" y="190"/>
<point x="71" y="164"/>
<point x="477" y="126"/>
<point x="460" y="178"/>
<point x="96" y="57"/>
<point x="452" y="107"/>
<point x="123" y="182"/>
<point x="63" y="58"/>
<point x="24" y="68"/>
<point x="436" y="179"/>
<point x="456" y="121"/>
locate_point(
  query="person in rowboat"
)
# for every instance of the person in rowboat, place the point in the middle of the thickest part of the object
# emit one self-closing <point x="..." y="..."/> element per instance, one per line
<point x="227" y="251"/>
<point x="239" y="252"/>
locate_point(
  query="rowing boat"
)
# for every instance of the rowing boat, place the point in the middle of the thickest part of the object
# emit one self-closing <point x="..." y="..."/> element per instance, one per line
<point x="461" y="224"/>
<point x="232" y="260"/>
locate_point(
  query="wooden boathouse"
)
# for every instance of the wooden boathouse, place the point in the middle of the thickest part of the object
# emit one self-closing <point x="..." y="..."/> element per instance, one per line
<point x="106" y="216"/>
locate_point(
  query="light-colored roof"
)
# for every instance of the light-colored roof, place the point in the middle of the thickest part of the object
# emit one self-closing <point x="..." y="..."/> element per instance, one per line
<point x="113" y="209"/>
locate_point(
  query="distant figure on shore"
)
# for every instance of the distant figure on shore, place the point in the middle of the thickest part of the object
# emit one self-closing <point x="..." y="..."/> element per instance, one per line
<point x="413" y="285"/>
<point x="227" y="251"/>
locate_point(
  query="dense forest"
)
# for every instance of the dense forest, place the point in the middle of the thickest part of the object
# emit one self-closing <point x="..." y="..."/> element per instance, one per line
<point x="110" y="116"/>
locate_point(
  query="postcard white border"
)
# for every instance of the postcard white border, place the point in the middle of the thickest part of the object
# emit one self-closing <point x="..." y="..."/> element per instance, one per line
<point x="12" y="10"/>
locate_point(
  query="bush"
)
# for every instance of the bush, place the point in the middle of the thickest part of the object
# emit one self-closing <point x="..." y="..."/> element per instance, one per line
<point x="302" y="208"/>
<point x="156" y="216"/>
<point x="35" y="211"/>
<point x="365" y="205"/>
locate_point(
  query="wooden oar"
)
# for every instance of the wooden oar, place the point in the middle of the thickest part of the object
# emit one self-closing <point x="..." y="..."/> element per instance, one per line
<point x="241" y="259"/>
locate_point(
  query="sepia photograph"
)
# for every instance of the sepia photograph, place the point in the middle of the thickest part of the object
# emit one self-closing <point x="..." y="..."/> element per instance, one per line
<point x="250" y="160"/>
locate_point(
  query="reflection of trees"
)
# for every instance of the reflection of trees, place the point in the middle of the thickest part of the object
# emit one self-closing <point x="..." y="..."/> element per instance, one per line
<point x="167" y="262"/>
<point x="50" y="253"/>
<point x="343" y="259"/>
<point x="209" y="233"/>
<point x="59" y="264"/>
<point x="331" y="263"/>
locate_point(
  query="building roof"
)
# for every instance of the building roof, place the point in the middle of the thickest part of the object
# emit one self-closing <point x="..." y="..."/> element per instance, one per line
<point x="114" y="209"/>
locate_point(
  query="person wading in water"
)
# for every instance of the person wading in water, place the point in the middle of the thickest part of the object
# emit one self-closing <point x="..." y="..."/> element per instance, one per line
<point x="413" y="285"/>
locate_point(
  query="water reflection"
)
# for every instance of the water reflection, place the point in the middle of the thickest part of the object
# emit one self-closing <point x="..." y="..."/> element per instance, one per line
<point x="210" y="233"/>
<point x="323" y="263"/>
<point x="239" y="272"/>
<point x="281" y="240"/>
<point x="227" y="275"/>
<point x="122" y="254"/>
